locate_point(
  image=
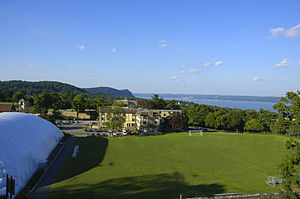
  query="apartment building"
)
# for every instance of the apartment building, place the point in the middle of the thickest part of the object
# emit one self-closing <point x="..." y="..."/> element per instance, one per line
<point x="142" y="120"/>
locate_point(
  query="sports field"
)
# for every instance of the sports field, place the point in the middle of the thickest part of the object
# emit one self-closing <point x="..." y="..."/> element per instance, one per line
<point x="165" y="166"/>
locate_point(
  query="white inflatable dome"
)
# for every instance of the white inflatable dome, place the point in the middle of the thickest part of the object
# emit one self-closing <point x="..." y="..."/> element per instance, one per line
<point x="25" y="141"/>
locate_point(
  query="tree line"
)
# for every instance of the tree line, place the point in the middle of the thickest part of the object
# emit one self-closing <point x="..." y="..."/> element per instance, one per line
<point x="285" y="121"/>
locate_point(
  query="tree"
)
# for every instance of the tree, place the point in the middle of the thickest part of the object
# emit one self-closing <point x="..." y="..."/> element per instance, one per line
<point x="99" y="102"/>
<point x="254" y="125"/>
<point x="115" y="118"/>
<point x="281" y="125"/>
<point x="267" y="118"/>
<point x="289" y="169"/>
<point x="289" y="113"/>
<point x="45" y="101"/>
<point x="78" y="104"/>
<point x="215" y="119"/>
<point x="67" y="99"/>
<point x="119" y="103"/>
<point x="249" y="114"/>
<point x="177" y="121"/>
<point x="198" y="113"/>
<point x="18" y="95"/>
<point x="221" y="122"/>
<point x="294" y="129"/>
<point x="158" y="103"/>
<point x="172" y="105"/>
<point x="6" y="95"/>
<point x="145" y="103"/>
<point x="235" y="120"/>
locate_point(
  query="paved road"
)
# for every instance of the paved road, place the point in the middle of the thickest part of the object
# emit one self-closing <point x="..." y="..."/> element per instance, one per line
<point x="75" y="129"/>
<point x="50" y="176"/>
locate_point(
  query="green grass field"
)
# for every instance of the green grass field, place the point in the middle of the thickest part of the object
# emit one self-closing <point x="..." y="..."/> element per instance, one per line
<point x="167" y="165"/>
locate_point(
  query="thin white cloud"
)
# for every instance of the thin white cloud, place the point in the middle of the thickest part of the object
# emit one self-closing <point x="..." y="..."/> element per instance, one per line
<point x="256" y="78"/>
<point x="183" y="65"/>
<point x="45" y="34"/>
<point x="180" y="49"/>
<point x="207" y="64"/>
<point x="284" y="63"/>
<point x="163" y="45"/>
<point x="93" y="74"/>
<point x="292" y="32"/>
<point x="161" y="41"/>
<point x="114" y="50"/>
<point x="69" y="68"/>
<point x="276" y="31"/>
<point x="218" y="63"/>
<point x="182" y="71"/>
<point x="29" y="65"/>
<point x="81" y="47"/>
<point x="174" y="78"/>
<point x="194" y="71"/>
<point x="299" y="62"/>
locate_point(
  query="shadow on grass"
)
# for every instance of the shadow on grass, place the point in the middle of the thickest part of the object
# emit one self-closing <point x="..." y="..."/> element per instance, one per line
<point x="91" y="153"/>
<point x="140" y="187"/>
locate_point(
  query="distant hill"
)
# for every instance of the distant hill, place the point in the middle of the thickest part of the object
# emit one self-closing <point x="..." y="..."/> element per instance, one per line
<point x="33" y="88"/>
<point x="110" y="91"/>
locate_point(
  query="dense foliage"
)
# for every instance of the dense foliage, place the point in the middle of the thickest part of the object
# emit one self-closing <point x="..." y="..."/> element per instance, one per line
<point x="206" y="116"/>
<point x="175" y="122"/>
<point x="110" y="91"/>
<point x="289" y="114"/>
<point x="32" y="88"/>
<point x="115" y="118"/>
<point x="289" y="168"/>
<point x="8" y="88"/>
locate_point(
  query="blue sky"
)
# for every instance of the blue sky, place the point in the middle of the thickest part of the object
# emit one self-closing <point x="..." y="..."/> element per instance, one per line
<point x="248" y="47"/>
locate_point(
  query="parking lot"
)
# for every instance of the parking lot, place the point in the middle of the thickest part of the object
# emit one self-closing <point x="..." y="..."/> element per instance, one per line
<point x="74" y="128"/>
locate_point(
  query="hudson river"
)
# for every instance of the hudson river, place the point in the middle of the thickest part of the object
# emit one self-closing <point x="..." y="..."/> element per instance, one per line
<point x="256" y="105"/>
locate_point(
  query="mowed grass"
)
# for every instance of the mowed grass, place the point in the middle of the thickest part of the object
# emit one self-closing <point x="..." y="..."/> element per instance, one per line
<point x="167" y="165"/>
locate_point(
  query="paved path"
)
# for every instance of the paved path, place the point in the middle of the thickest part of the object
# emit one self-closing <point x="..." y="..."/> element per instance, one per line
<point x="50" y="176"/>
<point x="75" y="129"/>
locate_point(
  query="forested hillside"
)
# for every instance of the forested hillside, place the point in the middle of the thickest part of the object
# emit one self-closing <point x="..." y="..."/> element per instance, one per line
<point x="31" y="88"/>
<point x="34" y="88"/>
<point x="110" y="91"/>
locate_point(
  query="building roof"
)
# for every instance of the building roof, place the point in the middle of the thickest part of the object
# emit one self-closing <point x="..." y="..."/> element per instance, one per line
<point x="7" y="108"/>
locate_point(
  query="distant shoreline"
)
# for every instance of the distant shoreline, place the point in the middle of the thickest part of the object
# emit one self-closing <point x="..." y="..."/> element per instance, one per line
<point x="215" y="97"/>
<point x="240" y="102"/>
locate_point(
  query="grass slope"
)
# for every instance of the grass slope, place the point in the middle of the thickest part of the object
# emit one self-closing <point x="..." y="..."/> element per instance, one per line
<point x="164" y="166"/>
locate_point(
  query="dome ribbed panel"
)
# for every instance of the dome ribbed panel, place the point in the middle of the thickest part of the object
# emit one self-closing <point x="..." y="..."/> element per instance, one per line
<point x="25" y="140"/>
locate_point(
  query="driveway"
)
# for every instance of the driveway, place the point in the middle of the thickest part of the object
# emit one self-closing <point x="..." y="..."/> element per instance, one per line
<point x="52" y="172"/>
